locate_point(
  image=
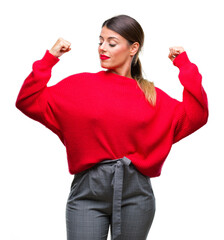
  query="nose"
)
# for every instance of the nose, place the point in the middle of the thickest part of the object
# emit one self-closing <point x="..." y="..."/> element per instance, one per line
<point x="102" y="47"/>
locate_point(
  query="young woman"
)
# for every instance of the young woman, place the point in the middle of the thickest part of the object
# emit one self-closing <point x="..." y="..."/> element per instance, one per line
<point x="117" y="127"/>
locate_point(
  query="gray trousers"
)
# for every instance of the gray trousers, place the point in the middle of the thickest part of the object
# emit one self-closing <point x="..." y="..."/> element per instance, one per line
<point x="111" y="193"/>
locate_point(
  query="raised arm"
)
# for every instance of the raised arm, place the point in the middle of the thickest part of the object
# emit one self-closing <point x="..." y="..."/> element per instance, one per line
<point x="34" y="96"/>
<point x="192" y="113"/>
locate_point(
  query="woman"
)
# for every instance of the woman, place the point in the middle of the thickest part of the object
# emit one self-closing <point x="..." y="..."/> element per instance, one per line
<point x="117" y="127"/>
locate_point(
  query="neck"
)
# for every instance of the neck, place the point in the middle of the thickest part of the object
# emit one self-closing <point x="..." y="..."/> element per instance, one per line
<point x="124" y="70"/>
<point x="121" y="73"/>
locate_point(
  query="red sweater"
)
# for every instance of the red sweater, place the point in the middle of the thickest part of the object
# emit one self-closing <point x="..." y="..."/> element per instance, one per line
<point x="102" y="115"/>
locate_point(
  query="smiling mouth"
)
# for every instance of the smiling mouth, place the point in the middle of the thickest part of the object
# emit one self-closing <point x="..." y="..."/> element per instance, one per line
<point x="104" y="57"/>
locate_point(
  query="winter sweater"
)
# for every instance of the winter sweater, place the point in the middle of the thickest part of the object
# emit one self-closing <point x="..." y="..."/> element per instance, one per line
<point x="103" y="115"/>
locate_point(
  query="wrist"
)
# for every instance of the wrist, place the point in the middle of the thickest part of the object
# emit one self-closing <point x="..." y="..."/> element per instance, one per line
<point x="181" y="60"/>
<point x="53" y="53"/>
<point x="49" y="59"/>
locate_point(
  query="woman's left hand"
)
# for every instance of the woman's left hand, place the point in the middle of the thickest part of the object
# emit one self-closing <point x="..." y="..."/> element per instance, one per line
<point x="175" y="51"/>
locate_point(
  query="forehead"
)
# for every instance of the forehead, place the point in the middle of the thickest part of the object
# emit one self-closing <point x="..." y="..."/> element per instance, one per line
<point x="107" y="33"/>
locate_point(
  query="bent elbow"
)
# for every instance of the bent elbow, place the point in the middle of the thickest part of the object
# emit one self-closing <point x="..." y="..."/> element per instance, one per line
<point x="205" y="118"/>
<point x="202" y="119"/>
<point x="18" y="104"/>
<point x="21" y="104"/>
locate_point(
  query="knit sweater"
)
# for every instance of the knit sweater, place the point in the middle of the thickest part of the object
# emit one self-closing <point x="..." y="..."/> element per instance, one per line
<point x="103" y="115"/>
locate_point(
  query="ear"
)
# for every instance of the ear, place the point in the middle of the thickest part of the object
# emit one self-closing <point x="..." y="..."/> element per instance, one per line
<point x="134" y="48"/>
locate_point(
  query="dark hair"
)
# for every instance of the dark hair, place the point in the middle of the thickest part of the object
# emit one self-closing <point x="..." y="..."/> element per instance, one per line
<point x="132" y="31"/>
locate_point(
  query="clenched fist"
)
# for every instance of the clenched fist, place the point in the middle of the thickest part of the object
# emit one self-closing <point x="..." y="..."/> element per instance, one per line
<point x="60" y="47"/>
<point x="175" y="51"/>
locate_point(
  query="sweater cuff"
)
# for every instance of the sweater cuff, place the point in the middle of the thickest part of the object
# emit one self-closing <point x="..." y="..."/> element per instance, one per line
<point x="181" y="60"/>
<point x="50" y="59"/>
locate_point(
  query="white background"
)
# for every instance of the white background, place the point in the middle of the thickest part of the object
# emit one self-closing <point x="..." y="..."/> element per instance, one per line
<point x="34" y="177"/>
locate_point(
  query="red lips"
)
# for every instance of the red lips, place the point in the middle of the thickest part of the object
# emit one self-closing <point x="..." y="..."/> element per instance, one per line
<point x="104" y="57"/>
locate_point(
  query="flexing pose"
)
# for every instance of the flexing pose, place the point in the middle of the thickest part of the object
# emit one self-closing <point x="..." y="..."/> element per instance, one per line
<point x="117" y="127"/>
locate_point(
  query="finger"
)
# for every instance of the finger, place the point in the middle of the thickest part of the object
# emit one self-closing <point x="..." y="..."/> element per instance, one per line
<point x="65" y="47"/>
<point x="67" y="43"/>
<point x="170" y="55"/>
<point x="171" y="49"/>
<point x="175" y="51"/>
<point x="68" y="49"/>
<point x="171" y="52"/>
<point x="178" y="50"/>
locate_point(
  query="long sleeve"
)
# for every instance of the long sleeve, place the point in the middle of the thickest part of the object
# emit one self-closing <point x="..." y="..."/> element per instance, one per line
<point x="34" y="95"/>
<point x="192" y="113"/>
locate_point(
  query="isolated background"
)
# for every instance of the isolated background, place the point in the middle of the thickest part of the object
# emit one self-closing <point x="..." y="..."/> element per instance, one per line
<point x="34" y="177"/>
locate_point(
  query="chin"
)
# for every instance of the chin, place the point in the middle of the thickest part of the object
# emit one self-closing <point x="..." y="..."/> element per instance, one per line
<point x="106" y="66"/>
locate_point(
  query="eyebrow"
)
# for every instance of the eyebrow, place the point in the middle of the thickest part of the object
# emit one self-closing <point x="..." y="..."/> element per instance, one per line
<point x="110" y="37"/>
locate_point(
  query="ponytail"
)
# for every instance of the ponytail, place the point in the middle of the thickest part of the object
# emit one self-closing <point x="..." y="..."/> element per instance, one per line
<point x="146" y="86"/>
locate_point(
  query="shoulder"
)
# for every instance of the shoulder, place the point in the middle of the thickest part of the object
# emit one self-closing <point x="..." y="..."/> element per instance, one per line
<point x="82" y="75"/>
<point x="164" y="99"/>
<point x="77" y="77"/>
<point x="161" y="94"/>
<point x="86" y="75"/>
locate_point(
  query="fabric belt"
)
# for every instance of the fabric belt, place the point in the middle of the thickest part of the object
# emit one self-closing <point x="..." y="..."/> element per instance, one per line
<point x="117" y="184"/>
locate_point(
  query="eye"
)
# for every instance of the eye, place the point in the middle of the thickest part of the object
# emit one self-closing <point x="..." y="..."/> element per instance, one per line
<point x="100" y="43"/>
<point x="112" y="45"/>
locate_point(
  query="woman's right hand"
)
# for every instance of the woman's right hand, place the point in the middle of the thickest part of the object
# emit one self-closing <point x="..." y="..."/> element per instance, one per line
<point x="60" y="47"/>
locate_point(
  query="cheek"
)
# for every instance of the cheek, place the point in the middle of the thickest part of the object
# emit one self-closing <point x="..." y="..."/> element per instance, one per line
<point x="119" y="54"/>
